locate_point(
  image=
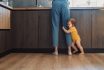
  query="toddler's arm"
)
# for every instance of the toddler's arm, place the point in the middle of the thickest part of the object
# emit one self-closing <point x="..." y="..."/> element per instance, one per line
<point x="66" y="31"/>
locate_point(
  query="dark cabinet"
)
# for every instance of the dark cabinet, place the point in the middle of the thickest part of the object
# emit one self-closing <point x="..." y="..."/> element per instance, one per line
<point x="32" y="28"/>
<point x="5" y="40"/>
<point x="8" y="40"/>
<point x="98" y="29"/>
<point x="2" y="41"/>
<point x="44" y="26"/>
<point x="18" y="29"/>
<point x="25" y="29"/>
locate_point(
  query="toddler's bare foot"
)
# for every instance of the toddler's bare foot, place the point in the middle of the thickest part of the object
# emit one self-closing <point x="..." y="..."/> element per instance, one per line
<point x="75" y="51"/>
<point x="81" y="53"/>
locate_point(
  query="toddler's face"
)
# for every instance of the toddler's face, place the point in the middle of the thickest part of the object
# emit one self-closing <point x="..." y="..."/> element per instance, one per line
<point x="69" y="24"/>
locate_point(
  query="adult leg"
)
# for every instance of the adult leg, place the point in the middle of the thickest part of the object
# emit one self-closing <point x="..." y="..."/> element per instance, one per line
<point x="65" y="16"/>
<point x="55" y="27"/>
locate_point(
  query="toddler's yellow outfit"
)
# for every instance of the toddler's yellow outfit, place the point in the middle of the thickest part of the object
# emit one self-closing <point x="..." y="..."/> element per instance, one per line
<point x="74" y="34"/>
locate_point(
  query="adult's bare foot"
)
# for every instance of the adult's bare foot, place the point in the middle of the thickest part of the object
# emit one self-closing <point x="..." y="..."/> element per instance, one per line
<point x="69" y="53"/>
<point x="55" y="53"/>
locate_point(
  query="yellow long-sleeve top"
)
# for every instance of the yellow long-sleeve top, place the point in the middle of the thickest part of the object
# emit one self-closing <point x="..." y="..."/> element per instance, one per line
<point x="74" y="34"/>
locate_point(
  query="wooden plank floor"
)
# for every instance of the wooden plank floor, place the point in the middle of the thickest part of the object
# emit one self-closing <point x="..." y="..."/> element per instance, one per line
<point x="42" y="61"/>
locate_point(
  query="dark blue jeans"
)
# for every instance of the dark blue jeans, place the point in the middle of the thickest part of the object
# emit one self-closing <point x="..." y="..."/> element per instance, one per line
<point x="60" y="10"/>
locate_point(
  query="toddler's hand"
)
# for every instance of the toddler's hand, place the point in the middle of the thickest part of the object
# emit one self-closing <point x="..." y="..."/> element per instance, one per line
<point x="63" y="28"/>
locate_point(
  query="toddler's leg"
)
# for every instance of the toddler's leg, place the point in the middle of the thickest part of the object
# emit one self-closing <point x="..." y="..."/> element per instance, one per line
<point x="80" y="47"/>
<point x="74" y="47"/>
